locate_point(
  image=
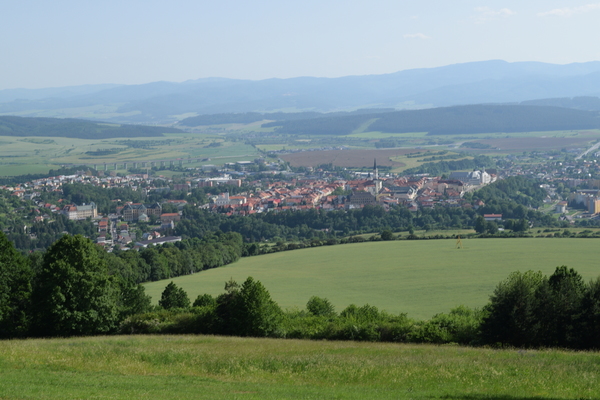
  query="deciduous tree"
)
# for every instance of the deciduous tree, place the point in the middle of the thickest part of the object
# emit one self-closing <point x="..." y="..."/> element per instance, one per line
<point x="174" y="297"/>
<point x="74" y="295"/>
<point x="15" y="290"/>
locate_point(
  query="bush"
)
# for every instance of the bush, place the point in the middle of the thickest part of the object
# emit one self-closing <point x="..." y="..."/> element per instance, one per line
<point x="461" y="325"/>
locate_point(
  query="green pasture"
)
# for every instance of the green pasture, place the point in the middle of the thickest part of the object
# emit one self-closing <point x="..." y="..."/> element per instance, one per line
<point x="211" y="367"/>
<point x="295" y="144"/>
<point x="420" y="278"/>
<point x="23" y="169"/>
<point x="475" y="136"/>
<point x="34" y="154"/>
<point x="385" y="135"/>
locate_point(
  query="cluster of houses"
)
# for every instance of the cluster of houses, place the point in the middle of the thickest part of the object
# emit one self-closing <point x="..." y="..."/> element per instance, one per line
<point x="326" y="191"/>
<point x="299" y="194"/>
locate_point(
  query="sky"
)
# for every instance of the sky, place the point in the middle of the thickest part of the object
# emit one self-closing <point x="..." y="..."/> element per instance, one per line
<point x="66" y="42"/>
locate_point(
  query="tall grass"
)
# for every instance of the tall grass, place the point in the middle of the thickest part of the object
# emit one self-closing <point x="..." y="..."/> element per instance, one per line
<point x="180" y="367"/>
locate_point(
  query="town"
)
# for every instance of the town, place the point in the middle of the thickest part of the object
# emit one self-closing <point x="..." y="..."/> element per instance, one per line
<point x="244" y="189"/>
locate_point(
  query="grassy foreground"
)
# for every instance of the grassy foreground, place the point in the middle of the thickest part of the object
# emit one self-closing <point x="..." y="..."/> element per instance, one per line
<point x="207" y="367"/>
<point x="421" y="278"/>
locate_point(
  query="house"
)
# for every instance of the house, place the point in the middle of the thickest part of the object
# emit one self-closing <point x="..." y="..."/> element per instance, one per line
<point x="222" y="200"/>
<point x="472" y="178"/>
<point x="75" y="212"/>
<point x="404" y="192"/>
<point x="133" y="211"/>
<point x="162" y="240"/>
<point x="169" y="217"/>
<point x="360" y="197"/>
<point x="492" y="217"/>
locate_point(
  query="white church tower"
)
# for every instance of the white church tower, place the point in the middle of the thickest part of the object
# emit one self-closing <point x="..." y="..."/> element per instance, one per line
<point x="376" y="181"/>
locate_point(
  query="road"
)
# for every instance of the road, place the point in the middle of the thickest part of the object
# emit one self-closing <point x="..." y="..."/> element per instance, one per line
<point x="594" y="147"/>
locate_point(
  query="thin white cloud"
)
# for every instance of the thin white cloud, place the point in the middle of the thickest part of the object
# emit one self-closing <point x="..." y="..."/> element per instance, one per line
<point x="569" y="11"/>
<point x="485" y="14"/>
<point x="415" y="36"/>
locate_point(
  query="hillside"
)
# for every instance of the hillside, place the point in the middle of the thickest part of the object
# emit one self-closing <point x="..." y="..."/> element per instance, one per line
<point x="165" y="102"/>
<point x="449" y="120"/>
<point x="421" y="278"/>
<point x="75" y="128"/>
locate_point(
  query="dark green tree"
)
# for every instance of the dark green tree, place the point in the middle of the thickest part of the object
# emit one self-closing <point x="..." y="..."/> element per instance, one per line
<point x="510" y="316"/>
<point x="174" y="297"/>
<point x="15" y="290"/>
<point x="320" y="306"/>
<point x="226" y="309"/>
<point x="133" y="300"/>
<point x="589" y="316"/>
<point x="387" y="234"/>
<point x="558" y="301"/>
<point x="480" y="225"/>
<point x="73" y="294"/>
<point x="256" y="313"/>
<point x="491" y="227"/>
<point x="205" y="300"/>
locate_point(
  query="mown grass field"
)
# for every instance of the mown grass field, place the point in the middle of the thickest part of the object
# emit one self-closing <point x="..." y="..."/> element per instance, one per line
<point x="206" y="367"/>
<point x="420" y="278"/>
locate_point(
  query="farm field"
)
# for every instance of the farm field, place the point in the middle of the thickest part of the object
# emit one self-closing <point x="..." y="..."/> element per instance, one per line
<point x="21" y="155"/>
<point x="406" y="162"/>
<point x="420" y="278"/>
<point x="211" y="367"/>
<point x="346" y="158"/>
<point x="535" y="143"/>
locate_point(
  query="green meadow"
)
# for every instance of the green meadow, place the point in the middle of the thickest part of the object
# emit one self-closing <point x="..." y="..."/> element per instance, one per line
<point x="209" y="367"/>
<point x="417" y="277"/>
<point x="22" y="155"/>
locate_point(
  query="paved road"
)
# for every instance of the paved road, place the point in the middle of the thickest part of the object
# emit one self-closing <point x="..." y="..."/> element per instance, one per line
<point x="594" y="147"/>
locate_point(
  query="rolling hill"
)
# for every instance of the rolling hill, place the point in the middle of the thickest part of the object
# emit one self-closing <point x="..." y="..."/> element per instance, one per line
<point x="421" y="277"/>
<point x="75" y="128"/>
<point x="448" y="120"/>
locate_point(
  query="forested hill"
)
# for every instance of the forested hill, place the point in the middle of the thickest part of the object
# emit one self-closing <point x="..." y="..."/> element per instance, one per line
<point x="449" y="120"/>
<point x="75" y="128"/>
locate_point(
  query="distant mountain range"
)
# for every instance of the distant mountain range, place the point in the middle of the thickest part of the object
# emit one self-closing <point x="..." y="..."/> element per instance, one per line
<point x="572" y="86"/>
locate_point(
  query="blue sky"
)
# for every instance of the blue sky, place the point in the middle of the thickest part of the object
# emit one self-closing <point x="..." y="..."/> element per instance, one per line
<point x="65" y="42"/>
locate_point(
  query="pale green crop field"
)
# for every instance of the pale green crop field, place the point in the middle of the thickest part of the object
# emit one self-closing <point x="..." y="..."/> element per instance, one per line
<point x="21" y="155"/>
<point x="384" y="135"/>
<point x="212" y="367"/>
<point x="420" y="278"/>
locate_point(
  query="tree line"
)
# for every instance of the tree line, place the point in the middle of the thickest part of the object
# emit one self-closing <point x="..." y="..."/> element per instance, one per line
<point x="443" y="167"/>
<point x="75" y="288"/>
<point x="525" y="310"/>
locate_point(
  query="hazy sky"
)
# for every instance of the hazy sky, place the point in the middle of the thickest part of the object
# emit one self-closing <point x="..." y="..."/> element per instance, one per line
<point x="66" y="42"/>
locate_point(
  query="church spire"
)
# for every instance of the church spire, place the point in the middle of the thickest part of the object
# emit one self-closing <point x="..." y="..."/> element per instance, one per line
<point x="375" y="172"/>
